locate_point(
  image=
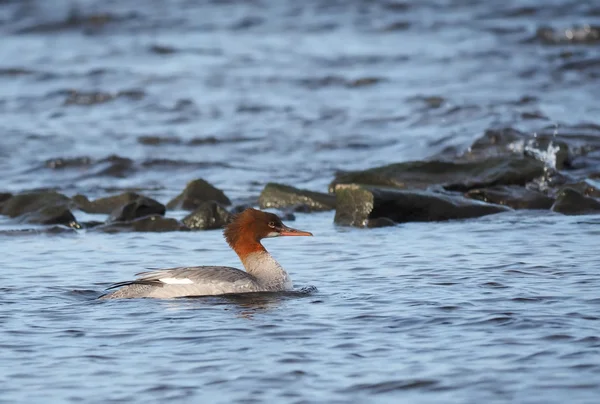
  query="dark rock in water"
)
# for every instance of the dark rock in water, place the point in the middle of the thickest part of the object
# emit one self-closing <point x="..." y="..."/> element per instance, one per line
<point x="115" y="166"/>
<point x="4" y="196"/>
<point x="91" y="224"/>
<point x="138" y="208"/>
<point x="495" y="142"/>
<point x="46" y="207"/>
<point x="512" y="196"/>
<point x="453" y="176"/>
<point x="104" y="205"/>
<point x="53" y="230"/>
<point x="197" y="192"/>
<point x="154" y="223"/>
<point x="380" y="222"/>
<point x="162" y="49"/>
<point x="359" y="205"/>
<point x="584" y="188"/>
<point x="571" y="202"/>
<point x="283" y="196"/>
<point x="209" y="215"/>
<point x="154" y="140"/>
<point x="61" y="162"/>
<point x="242" y="205"/>
<point x="586" y="34"/>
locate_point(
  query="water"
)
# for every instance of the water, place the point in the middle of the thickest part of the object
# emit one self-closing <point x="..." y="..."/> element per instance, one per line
<point x="499" y="309"/>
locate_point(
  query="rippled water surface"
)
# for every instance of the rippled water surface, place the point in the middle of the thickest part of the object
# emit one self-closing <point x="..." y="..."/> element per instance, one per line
<point x="101" y="96"/>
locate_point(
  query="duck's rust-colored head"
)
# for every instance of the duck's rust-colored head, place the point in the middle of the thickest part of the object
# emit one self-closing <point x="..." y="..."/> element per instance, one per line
<point x="246" y="230"/>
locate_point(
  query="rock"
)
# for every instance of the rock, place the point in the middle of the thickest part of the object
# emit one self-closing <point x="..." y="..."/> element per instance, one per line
<point x="453" y="176"/>
<point x="153" y="223"/>
<point x="380" y="222"/>
<point x="584" y="187"/>
<point x="104" y="205"/>
<point x="52" y="230"/>
<point x="196" y="192"/>
<point x="287" y="216"/>
<point x="209" y="215"/>
<point x="91" y="224"/>
<point x="571" y="202"/>
<point x="359" y="205"/>
<point x="4" y="196"/>
<point x="512" y="196"/>
<point x="43" y="207"/>
<point x="284" y="196"/>
<point x="138" y="208"/>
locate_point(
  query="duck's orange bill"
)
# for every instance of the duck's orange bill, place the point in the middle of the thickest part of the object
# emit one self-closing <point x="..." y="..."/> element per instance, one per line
<point x="288" y="231"/>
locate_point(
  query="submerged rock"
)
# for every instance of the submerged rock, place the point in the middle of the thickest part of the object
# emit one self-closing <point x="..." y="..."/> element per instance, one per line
<point x="44" y="207"/>
<point x="512" y="196"/>
<point x="453" y="176"/>
<point x="284" y="196"/>
<point x="197" y="192"/>
<point x="586" y="34"/>
<point x="104" y="205"/>
<point x="362" y="206"/>
<point x="584" y="188"/>
<point x="138" y="208"/>
<point x="4" y="196"/>
<point x="153" y="223"/>
<point x="209" y="215"/>
<point x="571" y="202"/>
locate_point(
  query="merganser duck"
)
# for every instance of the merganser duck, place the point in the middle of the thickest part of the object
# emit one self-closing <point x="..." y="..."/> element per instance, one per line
<point x="243" y="234"/>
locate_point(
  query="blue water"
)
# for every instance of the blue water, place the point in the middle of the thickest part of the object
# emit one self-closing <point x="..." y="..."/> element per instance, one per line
<point x="498" y="309"/>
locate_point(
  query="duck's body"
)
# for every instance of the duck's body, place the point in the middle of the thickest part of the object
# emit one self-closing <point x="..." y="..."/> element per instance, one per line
<point x="263" y="272"/>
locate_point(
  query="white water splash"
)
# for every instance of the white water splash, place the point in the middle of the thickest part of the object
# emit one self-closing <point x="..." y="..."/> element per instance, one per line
<point x="548" y="156"/>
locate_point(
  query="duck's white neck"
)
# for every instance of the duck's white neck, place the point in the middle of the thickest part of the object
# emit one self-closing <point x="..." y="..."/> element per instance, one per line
<point x="263" y="266"/>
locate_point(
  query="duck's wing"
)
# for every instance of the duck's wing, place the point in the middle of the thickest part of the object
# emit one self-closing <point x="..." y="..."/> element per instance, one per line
<point x="205" y="275"/>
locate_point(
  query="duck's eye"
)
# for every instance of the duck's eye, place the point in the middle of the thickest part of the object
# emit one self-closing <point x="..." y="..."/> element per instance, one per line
<point x="272" y="225"/>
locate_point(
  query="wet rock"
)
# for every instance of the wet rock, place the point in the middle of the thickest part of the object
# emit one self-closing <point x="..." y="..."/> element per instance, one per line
<point x="91" y="224"/>
<point x="452" y="175"/>
<point x="242" y="205"/>
<point x="571" y="202"/>
<point x="512" y="196"/>
<point x="287" y="216"/>
<point x="496" y="142"/>
<point x="284" y="196"/>
<point x="359" y="205"/>
<point x="60" y="162"/>
<point x="209" y="215"/>
<point x="138" y="208"/>
<point x="112" y="166"/>
<point x="4" y="196"/>
<point x="197" y="192"/>
<point x="314" y="83"/>
<point x="247" y="22"/>
<point x="363" y="82"/>
<point x="162" y="49"/>
<point x="397" y="26"/>
<point x="53" y="230"/>
<point x="585" y="187"/>
<point x="380" y="222"/>
<point x="152" y="140"/>
<point x="75" y="20"/>
<point x="15" y="71"/>
<point x="154" y="223"/>
<point x="44" y="207"/>
<point x="586" y="35"/>
<point x="104" y="205"/>
<point x="82" y="98"/>
<point x="115" y="166"/>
